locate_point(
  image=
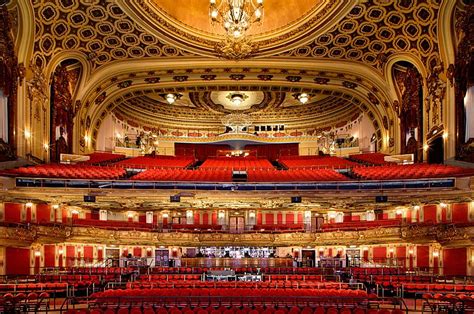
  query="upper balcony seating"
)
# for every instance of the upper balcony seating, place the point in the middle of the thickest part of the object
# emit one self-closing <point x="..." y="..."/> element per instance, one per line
<point x="196" y="227"/>
<point x="294" y="175"/>
<point x="158" y="161"/>
<point x="69" y="172"/>
<point x="360" y="225"/>
<point x="102" y="158"/>
<point x="113" y="224"/>
<point x="316" y="162"/>
<point x="205" y="175"/>
<point x="415" y="171"/>
<point x="370" y="158"/>
<point x="279" y="227"/>
<point x="237" y="163"/>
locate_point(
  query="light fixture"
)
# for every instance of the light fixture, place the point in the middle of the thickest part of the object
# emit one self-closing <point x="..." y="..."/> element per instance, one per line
<point x="410" y="251"/>
<point x="29" y="204"/>
<point x="60" y="251"/>
<point x="426" y="147"/>
<point x="165" y="215"/>
<point x="46" y="146"/>
<point x="436" y="253"/>
<point x="27" y="134"/>
<point x="443" y="205"/>
<point x="130" y="215"/>
<point x="399" y="211"/>
<point x="55" y="206"/>
<point x="445" y="135"/>
<point x="416" y="207"/>
<point x="171" y="98"/>
<point x="302" y="97"/>
<point x="37" y="253"/>
<point x="236" y="16"/>
<point x="237" y="98"/>
<point x="391" y="250"/>
<point x="74" y="212"/>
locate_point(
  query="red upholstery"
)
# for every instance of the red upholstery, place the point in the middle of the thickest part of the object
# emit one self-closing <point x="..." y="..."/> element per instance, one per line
<point x="101" y="158"/>
<point x="157" y="162"/>
<point x="113" y="224"/>
<point x="273" y="175"/>
<point x="370" y="158"/>
<point x="316" y="162"/>
<point x="278" y="227"/>
<point x="69" y="171"/>
<point x="359" y="225"/>
<point x="222" y="175"/>
<point x="237" y="163"/>
<point x="410" y="172"/>
<point x="195" y="227"/>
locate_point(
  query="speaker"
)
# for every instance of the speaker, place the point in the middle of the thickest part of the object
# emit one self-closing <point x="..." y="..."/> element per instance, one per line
<point x="89" y="198"/>
<point x="296" y="199"/>
<point x="175" y="198"/>
<point x="381" y="199"/>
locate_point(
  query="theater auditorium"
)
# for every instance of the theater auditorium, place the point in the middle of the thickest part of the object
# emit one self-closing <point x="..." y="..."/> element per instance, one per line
<point x="236" y="156"/>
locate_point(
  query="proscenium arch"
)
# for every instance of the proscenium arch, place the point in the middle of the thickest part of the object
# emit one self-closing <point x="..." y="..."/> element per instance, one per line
<point x="103" y="83"/>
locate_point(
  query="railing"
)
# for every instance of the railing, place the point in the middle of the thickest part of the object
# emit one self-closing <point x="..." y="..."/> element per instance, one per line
<point x="237" y="186"/>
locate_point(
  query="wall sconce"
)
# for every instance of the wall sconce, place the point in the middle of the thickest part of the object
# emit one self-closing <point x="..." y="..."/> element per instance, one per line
<point x="165" y="215"/>
<point x="399" y="211"/>
<point x="426" y="147"/>
<point x="443" y="205"/>
<point x="55" y="206"/>
<point x="174" y="249"/>
<point x="435" y="253"/>
<point x="148" y="249"/>
<point x="252" y="214"/>
<point x="60" y="251"/>
<point x="365" y="248"/>
<point x="130" y="214"/>
<point x="29" y="204"/>
<point x="189" y="214"/>
<point x="37" y="253"/>
<point x="100" y="248"/>
<point x="27" y="134"/>
<point x="321" y="249"/>
<point x="74" y="212"/>
<point x="221" y="215"/>
<point x="390" y="250"/>
<point x="445" y="135"/>
<point x="416" y="207"/>
<point x="410" y="251"/>
<point x="79" y="250"/>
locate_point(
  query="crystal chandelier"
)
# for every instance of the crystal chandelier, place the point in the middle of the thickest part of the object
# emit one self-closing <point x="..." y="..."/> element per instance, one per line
<point x="236" y="16"/>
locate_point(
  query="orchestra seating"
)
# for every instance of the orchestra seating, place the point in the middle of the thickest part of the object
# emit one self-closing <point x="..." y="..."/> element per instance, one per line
<point x="273" y="175"/>
<point x="159" y="161"/>
<point x="69" y="172"/>
<point x="316" y="162"/>
<point x="205" y="175"/>
<point x="99" y="158"/>
<point x="370" y="158"/>
<point x="237" y="163"/>
<point x="414" y="171"/>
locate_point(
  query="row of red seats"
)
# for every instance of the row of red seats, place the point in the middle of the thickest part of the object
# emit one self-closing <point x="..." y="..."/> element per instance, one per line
<point x="414" y="171"/>
<point x="358" y="225"/>
<point x="76" y="280"/>
<point x="239" y="270"/>
<point x="243" y="292"/>
<point x="157" y="162"/>
<point x="195" y="227"/>
<point x="206" y="175"/>
<point x="237" y="163"/>
<point x="451" y="288"/>
<point x="273" y="175"/>
<point x="378" y="270"/>
<point x="278" y="227"/>
<point x="316" y="162"/>
<point x="331" y="309"/>
<point x="98" y="270"/>
<point x="169" y="277"/>
<point x="69" y="172"/>
<point x="103" y="158"/>
<point x="276" y="284"/>
<point x="383" y="279"/>
<point x="113" y="224"/>
<point x="34" y="287"/>
<point x="370" y="158"/>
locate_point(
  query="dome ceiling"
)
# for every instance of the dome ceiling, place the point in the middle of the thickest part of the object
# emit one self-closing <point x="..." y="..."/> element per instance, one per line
<point x="198" y="109"/>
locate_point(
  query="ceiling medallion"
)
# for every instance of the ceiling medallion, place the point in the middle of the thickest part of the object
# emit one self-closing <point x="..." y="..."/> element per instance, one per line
<point x="236" y="17"/>
<point x="237" y="98"/>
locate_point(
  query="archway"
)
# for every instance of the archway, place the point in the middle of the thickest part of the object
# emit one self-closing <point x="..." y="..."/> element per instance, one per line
<point x="436" y="151"/>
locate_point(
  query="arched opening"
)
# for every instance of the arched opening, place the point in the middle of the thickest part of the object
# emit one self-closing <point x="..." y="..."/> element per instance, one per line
<point x="436" y="151"/>
<point x="62" y="109"/>
<point x="409" y="86"/>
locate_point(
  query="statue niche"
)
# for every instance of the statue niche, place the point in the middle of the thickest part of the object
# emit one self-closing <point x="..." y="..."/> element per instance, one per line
<point x="62" y="111"/>
<point x="410" y="111"/>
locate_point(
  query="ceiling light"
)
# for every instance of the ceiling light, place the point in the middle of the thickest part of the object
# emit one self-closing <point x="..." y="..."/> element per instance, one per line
<point x="170" y="98"/>
<point x="237" y="98"/>
<point x="303" y="98"/>
<point x="236" y="16"/>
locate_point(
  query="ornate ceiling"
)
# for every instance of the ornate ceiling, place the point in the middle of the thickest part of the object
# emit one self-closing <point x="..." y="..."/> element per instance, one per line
<point x="133" y="50"/>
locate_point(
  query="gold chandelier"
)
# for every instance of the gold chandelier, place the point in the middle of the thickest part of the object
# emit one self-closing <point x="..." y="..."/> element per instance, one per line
<point x="236" y="16"/>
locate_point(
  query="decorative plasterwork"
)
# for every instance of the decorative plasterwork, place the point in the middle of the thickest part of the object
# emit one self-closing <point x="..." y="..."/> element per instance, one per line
<point x="98" y="29"/>
<point x="375" y="30"/>
<point x="443" y="234"/>
<point x="156" y="21"/>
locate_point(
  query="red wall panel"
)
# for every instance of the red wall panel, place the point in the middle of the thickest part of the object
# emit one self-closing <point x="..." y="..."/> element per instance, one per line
<point x="280" y="218"/>
<point x="290" y="218"/>
<point x="401" y="252"/>
<point x="379" y="252"/>
<point x="269" y="218"/>
<point x="300" y="218"/>
<point x="205" y="218"/>
<point x="460" y="213"/>
<point x="259" y="218"/>
<point x="49" y="255"/>
<point x="429" y="213"/>
<point x="137" y="251"/>
<point x="17" y="261"/>
<point x="214" y="218"/>
<point x="13" y="212"/>
<point x="43" y="213"/>
<point x="455" y="261"/>
<point x="423" y="256"/>
<point x="88" y="252"/>
<point x="70" y="251"/>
